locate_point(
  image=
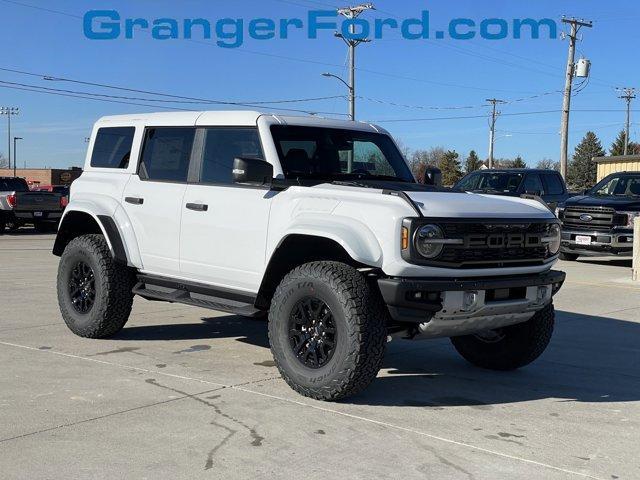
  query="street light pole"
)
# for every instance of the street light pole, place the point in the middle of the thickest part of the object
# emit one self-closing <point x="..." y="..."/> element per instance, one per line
<point x="9" y="111"/>
<point x="351" y="13"/>
<point x="15" y="154"/>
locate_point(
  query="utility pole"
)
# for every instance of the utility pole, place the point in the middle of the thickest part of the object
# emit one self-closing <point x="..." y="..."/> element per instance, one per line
<point x="492" y="124"/>
<point x="576" y="24"/>
<point x="351" y="13"/>
<point x="628" y="94"/>
<point x="9" y="111"/>
<point x="15" y="154"/>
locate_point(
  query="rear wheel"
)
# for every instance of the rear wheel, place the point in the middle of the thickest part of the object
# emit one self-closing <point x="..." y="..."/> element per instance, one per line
<point x="327" y="329"/>
<point x="510" y="347"/>
<point x="569" y="257"/>
<point x="94" y="292"/>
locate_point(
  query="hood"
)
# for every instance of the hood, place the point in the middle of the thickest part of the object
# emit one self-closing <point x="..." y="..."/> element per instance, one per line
<point x="619" y="203"/>
<point x="472" y="205"/>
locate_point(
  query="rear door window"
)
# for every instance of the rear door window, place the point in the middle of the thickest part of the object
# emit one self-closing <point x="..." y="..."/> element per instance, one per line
<point x="112" y="147"/>
<point x="553" y="184"/>
<point x="532" y="183"/>
<point x="166" y="154"/>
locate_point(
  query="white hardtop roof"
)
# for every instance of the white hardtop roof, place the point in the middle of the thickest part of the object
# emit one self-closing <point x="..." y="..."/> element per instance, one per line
<point x="230" y="118"/>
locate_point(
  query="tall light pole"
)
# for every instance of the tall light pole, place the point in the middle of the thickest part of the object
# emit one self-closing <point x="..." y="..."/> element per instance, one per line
<point x="628" y="94"/>
<point x="9" y="111"/>
<point x="351" y="93"/>
<point x="15" y="154"/>
<point x="352" y="13"/>
<point x="566" y="103"/>
<point x="492" y="125"/>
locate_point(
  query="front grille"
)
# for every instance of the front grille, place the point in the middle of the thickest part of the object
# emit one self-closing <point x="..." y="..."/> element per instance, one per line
<point x="595" y="219"/>
<point x="510" y="250"/>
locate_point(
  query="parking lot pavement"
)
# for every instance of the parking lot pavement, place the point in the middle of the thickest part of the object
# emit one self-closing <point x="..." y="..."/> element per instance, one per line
<point x="188" y="393"/>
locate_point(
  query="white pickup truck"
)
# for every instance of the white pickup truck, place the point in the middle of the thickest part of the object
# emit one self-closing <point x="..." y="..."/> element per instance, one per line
<point x="318" y="223"/>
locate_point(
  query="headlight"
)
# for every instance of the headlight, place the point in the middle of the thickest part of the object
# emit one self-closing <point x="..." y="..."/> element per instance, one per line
<point x="428" y="241"/>
<point x="631" y="216"/>
<point x="553" y="239"/>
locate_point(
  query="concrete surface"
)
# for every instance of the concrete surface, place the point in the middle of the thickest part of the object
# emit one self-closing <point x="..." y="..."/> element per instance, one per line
<point x="189" y="393"/>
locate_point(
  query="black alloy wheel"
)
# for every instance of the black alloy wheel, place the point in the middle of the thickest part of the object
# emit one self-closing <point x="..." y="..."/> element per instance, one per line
<point x="82" y="287"/>
<point x="312" y="332"/>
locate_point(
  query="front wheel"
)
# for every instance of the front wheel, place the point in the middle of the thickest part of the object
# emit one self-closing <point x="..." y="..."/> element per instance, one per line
<point x="94" y="292"/>
<point x="327" y="330"/>
<point x="510" y="347"/>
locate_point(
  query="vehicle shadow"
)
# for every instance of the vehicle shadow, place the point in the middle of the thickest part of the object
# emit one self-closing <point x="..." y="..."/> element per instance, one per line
<point x="247" y="330"/>
<point x="590" y="359"/>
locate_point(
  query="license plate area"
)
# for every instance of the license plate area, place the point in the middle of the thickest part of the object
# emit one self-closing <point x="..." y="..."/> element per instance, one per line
<point x="37" y="214"/>
<point x="502" y="294"/>
<point x="583" y="240"/>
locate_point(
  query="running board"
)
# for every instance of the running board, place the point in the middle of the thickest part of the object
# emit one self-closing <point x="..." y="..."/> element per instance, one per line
<point x="198" y="295"/>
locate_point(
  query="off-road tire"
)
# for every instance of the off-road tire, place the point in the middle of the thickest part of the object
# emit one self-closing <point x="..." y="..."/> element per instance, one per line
<point x="568" y="257"/>
<point x="360" y="322"/>
<point x="113" y="288"/>
<point x="520" y="345"/>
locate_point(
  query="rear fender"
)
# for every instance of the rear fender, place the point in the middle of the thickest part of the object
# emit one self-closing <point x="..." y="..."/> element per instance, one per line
<point x="114" y="223"/>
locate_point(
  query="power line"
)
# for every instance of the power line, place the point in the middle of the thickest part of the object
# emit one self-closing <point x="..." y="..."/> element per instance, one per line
<point x="88" y="96"/>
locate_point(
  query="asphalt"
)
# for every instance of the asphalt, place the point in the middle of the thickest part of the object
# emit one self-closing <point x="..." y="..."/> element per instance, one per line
<point x="183" y="392"/>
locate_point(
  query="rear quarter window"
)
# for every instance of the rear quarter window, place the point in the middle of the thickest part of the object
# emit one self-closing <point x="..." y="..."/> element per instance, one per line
<point x="112" y="147"/>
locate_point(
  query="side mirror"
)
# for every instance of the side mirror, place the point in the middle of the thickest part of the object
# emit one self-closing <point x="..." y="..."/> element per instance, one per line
<point x="433" y="176"/>
<point x="252" y="171"/>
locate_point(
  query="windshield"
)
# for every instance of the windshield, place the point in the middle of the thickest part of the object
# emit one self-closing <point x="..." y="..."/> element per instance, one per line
<point x="336" y="154"/>
<point x="13" y="185"/>
<point x="618" y="185"/>
<point x="491" y="181"/>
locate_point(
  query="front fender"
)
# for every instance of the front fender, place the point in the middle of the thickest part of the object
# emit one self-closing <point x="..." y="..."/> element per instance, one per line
<point x="354" y="236"/>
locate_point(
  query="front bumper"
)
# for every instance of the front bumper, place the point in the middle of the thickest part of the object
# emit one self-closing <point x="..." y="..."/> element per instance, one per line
<point x="446" y="308"/>
<point x="602" y="243"/>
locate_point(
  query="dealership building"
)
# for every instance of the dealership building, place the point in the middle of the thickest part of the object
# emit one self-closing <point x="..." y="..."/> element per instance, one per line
<point x="620" y="163"/>
<point x="36" y="177"/>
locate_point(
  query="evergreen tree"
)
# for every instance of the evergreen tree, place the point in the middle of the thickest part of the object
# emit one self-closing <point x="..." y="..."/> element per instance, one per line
<point x="617" y="147"/>
<point x="451" y="168"/>
<point x="473" y="163"/>
<point x="582" y="170"/>
<point x="519" y="163"/>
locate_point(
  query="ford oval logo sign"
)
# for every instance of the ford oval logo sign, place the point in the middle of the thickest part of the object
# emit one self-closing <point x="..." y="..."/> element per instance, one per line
<point x="586" y="218"/>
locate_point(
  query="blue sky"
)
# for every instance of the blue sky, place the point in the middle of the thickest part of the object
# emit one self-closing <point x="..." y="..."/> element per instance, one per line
<point x="420" y="73"/>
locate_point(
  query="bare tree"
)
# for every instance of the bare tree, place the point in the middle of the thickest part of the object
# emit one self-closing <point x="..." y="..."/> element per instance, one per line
<point x="421" y="159"/>
<point x="548" y="164"/>
<point x="4" y="163"/>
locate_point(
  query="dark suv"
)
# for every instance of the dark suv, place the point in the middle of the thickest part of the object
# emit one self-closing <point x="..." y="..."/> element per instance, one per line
<point x="600" y="222"/>
<point x="547" y="184"/>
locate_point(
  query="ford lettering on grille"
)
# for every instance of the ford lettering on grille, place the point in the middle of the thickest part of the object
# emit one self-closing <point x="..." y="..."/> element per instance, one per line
<point x="503" y="240"/>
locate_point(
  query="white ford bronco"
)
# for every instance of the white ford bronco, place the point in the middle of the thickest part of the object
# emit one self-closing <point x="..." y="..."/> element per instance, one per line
<point x="319" y="224"/>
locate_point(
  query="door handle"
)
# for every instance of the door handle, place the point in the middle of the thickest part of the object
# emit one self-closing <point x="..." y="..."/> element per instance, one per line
<point x="198" y="207"/>
<point x="134" y="200"/>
